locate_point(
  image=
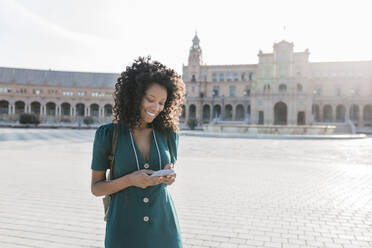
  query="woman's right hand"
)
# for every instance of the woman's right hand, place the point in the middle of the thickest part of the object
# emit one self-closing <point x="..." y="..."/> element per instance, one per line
<point x="142" y="180"/>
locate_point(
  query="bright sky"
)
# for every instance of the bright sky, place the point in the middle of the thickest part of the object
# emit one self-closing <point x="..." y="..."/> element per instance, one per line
<point x="105" y="36"/>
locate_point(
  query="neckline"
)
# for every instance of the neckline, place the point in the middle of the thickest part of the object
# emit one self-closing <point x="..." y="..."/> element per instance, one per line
<point x="139" y="151"/>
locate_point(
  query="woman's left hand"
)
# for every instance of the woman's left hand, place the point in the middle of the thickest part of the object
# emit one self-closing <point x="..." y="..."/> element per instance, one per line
<point x="169" y="179"/>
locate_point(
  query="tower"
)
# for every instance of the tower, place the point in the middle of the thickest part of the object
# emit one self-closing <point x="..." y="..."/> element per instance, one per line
<point x="195" y="54"/>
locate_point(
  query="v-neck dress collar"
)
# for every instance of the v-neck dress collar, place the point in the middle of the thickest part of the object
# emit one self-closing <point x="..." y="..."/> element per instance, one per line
<point x="141" y="158"/>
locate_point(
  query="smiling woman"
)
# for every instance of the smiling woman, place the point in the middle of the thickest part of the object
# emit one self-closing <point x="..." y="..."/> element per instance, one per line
<point x="148" y="102"/>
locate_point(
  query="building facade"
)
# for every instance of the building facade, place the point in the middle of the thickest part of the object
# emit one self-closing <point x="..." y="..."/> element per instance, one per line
<point x="283" y="88"/>
<point x="56" y="96"/>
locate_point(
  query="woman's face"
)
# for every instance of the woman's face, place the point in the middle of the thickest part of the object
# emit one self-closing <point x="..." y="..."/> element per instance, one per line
<point x="152" y="102"/>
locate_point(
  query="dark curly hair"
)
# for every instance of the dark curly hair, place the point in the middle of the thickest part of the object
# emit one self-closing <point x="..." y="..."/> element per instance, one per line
<point x="132" y="85"/>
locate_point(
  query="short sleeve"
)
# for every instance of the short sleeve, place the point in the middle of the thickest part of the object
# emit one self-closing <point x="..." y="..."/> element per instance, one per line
<point x="102" y="147"/>
<point x="173" y="141"/>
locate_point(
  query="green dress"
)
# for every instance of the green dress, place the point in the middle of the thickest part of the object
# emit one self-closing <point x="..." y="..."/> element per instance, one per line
<point x="138" y="218"/>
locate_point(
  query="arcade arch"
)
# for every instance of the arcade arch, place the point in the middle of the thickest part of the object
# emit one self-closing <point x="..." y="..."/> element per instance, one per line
<point x="206" y="113"/>
<point x="239" y="112"/>
<point x="280" y="113"/>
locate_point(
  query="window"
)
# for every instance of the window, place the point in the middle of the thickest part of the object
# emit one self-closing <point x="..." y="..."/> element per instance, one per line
<point x="52" y="92"/>
<point x="266" y="87"/>
<point x="232" y="90"/>
<point x="214" y="77"/>
<point x="67" y="93"/>
<point x="216" y="90"/>
<point x="4" y="90"/>
<point x="193" y="79"/>
<point x="36" y="92"/>
<point x="236" y="76"/>
<point x="229" y="76"/>
<point x="193" y="89"/>
<point x="81" y="93"/>
<point x="222" y="77"/>
<point x="282" y="88"/>
<point x="22" y="91"/>
<point x="98" y="94"/>
<point x="243" y="77"/>
<point x="251" y="76"/>
<point x="247" y="91"/>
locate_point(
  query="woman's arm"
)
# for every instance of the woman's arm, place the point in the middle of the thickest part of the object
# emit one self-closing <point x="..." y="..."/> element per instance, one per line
<point x="100" y="187"/>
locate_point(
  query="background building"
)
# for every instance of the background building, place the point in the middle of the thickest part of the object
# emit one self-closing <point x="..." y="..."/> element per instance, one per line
<point x="284" y="88"/>
<point x="56" y="96"/>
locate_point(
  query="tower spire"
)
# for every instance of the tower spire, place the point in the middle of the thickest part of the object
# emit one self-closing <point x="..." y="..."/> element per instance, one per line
<point x="195" y="55"/>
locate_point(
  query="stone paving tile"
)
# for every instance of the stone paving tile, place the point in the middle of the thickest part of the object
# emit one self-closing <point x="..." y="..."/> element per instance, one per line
<point x="250" y="193"/>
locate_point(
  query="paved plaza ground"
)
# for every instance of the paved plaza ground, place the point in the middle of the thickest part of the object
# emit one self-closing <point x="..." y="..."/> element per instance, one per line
<point x="228" y="193"/>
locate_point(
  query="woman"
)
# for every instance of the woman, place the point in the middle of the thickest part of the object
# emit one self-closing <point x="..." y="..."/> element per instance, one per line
<point x="148" y="102"/>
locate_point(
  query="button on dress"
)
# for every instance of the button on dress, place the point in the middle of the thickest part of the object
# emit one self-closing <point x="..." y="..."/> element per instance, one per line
<point x="138" y="218"/>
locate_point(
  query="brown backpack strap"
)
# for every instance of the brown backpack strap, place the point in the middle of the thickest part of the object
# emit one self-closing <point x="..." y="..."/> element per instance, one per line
<point x="111" y="156"/>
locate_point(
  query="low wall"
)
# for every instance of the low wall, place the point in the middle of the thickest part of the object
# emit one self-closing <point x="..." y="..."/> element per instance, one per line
<point x="268" y="129"/>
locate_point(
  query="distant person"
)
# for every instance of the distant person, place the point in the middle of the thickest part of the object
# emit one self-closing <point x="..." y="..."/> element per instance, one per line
<point x="148" y="102"/>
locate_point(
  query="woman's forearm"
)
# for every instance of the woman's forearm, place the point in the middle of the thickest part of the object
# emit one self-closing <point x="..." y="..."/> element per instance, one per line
<point x="110" y="187"/>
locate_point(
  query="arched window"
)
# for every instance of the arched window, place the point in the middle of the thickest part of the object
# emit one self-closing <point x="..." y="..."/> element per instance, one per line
<point x="282" y="88"/>
<point x="107" y="110"/>
<point x="65" y="109"/>
<point x="239" y="113"/>
<point x="206" y="113"/>
<point x="94" y="110"/>
<point x="228" y="112"/>
<point x="193" y="79"/>
<point x="192" y="111"/>
<point x="4" y="107"/>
